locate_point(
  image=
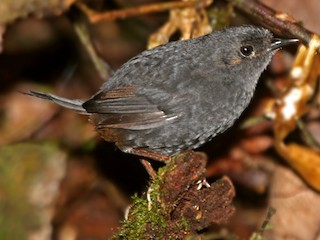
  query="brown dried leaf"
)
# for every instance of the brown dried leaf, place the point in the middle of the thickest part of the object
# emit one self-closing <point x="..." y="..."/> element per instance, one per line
<point x="256" y="144"/>
<point x="11" y="10"/>
<point x="304" y="160"/>
<point x="291" y="106"/>
<point x="24" y="116"/>
<point x="297" y="206"/>
<point x="190" y="22"/>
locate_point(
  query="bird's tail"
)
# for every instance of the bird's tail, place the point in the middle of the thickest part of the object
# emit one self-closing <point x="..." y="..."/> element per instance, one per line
<point x="75" y="104"/>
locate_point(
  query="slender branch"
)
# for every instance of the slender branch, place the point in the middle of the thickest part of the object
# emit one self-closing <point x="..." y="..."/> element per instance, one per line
<point x="308" y="138"/>
<point x="82" y="31"/>
<point x="278" y="22"/>
<point x="259" y="234"/>
<point x="270" y="213"/>
<point x="253" y="121"/>
<point x="135" y="11"/>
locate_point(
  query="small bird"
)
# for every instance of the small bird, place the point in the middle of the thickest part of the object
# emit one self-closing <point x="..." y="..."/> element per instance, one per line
<point x="179" y="95"/>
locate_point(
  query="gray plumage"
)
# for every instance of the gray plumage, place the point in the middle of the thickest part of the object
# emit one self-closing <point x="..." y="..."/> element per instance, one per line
<point x="179" y="95"/>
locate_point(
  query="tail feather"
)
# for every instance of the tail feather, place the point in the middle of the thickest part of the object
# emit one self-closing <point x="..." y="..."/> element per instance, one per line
<point x="75" y="104"/>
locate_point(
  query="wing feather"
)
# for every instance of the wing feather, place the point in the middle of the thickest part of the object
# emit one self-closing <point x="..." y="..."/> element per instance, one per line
<point x="123" y="108"/>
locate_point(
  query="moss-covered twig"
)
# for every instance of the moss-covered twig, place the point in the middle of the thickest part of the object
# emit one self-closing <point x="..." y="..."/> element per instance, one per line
<point x="174" y="206"/>
<point x="265" y="225"/>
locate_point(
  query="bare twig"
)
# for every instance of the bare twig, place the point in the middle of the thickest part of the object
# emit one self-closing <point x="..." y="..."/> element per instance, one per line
<point x="259" y="234"/>
<point x="278" y="22"/>
<point x="307" y="136"/>
<point x="253" y="121"/>
<point x="135" y="11"/>
<point x="82" y="31"/>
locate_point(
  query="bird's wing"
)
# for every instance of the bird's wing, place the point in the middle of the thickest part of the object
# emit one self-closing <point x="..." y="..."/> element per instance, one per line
<point x="124" y="108"/>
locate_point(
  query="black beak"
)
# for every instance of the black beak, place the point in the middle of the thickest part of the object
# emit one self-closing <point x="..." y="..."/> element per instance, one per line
<point x="278" y="43"/>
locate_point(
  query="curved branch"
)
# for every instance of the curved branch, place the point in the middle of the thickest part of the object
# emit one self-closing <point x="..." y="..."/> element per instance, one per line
<point x="279" y="23"/>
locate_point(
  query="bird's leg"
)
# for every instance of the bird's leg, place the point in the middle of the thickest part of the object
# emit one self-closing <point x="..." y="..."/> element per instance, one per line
<point x="148" y="154"/>
<point x="147" y="165"/>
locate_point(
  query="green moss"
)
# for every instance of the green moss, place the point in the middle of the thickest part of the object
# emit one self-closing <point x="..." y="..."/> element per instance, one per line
<point x="149" y="218"/>
<point x="183" y="224"/>
<point x="145" y="216"/>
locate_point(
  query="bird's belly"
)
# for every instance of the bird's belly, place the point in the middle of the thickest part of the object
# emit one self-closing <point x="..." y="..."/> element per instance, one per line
<point x="187" y="133"/>
<point x="193" y="129"/>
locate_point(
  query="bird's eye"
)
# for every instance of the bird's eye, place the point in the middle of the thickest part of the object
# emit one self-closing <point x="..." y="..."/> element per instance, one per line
<point x="246" y="51"/>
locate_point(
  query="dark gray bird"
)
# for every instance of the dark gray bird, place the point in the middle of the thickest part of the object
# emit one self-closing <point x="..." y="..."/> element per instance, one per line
<point x="179" y="95"/>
